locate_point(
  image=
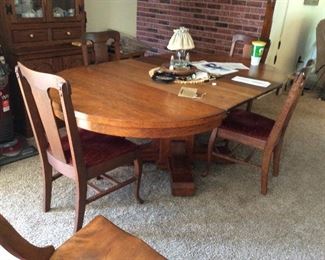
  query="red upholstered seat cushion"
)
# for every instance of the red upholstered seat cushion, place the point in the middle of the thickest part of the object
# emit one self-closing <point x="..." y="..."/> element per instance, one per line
<point x="248" y="123"/>
<point x="98" y="148"/>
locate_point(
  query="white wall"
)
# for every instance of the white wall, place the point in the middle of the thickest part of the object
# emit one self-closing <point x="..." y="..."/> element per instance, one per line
<point x="299" y="32"/>
<point x="120" y="15"/>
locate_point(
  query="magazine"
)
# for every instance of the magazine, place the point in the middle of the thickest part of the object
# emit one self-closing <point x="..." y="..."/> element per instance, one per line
<point x="218" y="68"/>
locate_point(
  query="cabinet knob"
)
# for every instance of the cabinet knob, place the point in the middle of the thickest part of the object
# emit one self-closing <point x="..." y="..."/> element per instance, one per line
<point x="31" y="36"/>
<point x="68" y="33"/>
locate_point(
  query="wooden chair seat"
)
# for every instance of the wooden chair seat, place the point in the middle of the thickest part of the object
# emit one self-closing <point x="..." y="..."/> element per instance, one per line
<point x="248" y="124"/>
<point x="101" y="239"/>
<point x="98" y="148"/>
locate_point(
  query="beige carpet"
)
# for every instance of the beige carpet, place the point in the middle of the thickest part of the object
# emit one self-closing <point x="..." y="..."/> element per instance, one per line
<point x="227" y="218"/>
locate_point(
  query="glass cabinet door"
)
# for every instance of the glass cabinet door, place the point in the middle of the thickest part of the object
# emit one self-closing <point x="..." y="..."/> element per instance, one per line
<point x="64" y="8"/>
<point x="30" y="9"/>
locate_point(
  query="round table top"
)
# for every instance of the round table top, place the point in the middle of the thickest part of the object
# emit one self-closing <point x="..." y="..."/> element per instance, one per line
<point x="119" y="98"/>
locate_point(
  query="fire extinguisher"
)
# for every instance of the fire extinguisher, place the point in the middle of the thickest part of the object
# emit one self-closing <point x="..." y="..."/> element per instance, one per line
<point x="6" y="120"/>
<point x="9" y="145"/>
<point x="12" y="148"/>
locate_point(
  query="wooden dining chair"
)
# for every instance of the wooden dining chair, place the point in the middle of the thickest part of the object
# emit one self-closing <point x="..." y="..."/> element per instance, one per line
<point x="258" y="132"/>
<point x="99" y="239"/>
<point x="246" y="40"/>
<point x="99" y="46"/>
<point x="247" y="44"/>
<point x="79" y="155"/>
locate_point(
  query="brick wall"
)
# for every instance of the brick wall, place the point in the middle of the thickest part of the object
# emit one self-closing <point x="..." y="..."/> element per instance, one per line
<point x="211" y="22"/>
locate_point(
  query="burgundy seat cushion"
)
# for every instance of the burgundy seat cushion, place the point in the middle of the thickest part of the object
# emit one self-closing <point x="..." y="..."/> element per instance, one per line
<point x="98" y="148"/>
<point x="248" y="123"/>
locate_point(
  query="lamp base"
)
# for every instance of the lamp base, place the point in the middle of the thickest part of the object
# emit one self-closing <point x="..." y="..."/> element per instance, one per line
<point x="183" y="59"/>
<point x="181" y="64"/>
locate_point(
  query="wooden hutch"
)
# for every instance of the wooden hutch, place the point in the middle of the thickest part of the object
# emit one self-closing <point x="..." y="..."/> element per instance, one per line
<point x="39" y="33"/>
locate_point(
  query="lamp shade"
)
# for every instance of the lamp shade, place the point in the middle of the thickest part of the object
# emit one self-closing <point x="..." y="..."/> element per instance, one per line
<point x="181" y="40"/>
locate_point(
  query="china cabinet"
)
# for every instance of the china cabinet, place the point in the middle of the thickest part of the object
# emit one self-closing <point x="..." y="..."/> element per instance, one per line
<point x="39" y="34"/>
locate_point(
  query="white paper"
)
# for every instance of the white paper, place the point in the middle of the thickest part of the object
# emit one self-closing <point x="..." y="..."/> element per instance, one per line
<point x="201" y="75"/>
<point x="215" y="68"/>
<point x="255" y="82"/>
<point x="234" y="65"/>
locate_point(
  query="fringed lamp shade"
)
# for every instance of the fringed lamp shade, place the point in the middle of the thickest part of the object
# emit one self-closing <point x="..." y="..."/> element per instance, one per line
<point x="181" y="40"/>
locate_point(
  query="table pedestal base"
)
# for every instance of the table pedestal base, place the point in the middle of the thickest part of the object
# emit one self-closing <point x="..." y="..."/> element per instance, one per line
<point x="174" y="155"/>
<point x="182" y="183"/>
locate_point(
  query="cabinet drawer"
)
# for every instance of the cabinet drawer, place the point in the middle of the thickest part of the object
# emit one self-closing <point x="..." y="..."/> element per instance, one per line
<point x="72" y="61"/>
<point x="20" y="36"/>
<point x="66" y="33"/>
<point x="47" y="65"/>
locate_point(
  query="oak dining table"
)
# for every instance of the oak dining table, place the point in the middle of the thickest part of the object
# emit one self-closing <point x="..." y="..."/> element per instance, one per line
<point x="119" y="98"/>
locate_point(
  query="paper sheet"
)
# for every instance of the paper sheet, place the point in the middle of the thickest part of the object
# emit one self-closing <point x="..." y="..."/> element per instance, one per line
<point x="255" y="82"/>
<point x="233" y="65"/>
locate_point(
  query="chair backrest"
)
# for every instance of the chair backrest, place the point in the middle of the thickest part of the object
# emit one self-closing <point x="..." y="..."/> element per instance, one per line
<point x="246" y="40"/>
<point x="38" y="91"/>
<point x="16" y="245"/>
<point x="100" y="47"/>
<point x="285" y="115"/>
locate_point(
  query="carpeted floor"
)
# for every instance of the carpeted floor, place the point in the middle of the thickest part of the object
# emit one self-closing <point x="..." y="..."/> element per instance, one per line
<point x="227" y="218"/>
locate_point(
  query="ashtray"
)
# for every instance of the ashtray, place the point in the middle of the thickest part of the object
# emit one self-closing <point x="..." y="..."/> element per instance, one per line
<point x="163" y="76"/>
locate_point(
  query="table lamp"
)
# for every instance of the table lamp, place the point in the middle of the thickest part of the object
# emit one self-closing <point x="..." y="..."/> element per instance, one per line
<point x="181" y="41"/>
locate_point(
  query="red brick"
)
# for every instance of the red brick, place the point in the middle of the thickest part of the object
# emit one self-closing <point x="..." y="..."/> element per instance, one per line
<point x="211" y="22"/>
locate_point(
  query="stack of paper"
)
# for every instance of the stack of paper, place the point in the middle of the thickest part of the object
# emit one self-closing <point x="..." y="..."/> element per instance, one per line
<point x="213" y="68"/>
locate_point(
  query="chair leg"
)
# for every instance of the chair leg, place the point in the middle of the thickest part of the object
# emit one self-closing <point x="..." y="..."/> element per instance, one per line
<point x="277" y="92"/>
<point x="249" y="105"/>
<point x="265" y="171"/>
<point x="276" y="158"/>
<point x="283" y="87"/>
<point x="47" y="186"/>
<point x="80" y="203"/>
<point x="211" y="143"/>
<point x="138" y="174"/>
